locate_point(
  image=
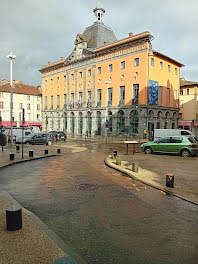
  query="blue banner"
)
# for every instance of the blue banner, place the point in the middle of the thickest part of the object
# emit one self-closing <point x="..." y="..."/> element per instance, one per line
<point x="153" y="92"/>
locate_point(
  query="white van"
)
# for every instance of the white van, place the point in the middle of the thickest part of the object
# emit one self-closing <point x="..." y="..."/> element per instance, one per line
<point x="17" y="133"/>
<point x="160" y="133"/>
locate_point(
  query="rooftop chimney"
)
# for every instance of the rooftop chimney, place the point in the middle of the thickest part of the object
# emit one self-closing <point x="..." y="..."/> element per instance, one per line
<point x="39" y="88"/>
<point x="130" y="35"/>
<point x="105" y="43"/>
<point x="49" y="62"/>
<point x="61" y="58"/>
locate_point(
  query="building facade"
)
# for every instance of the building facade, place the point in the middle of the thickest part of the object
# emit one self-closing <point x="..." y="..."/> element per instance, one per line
<point x="110" y="85"/>
<point x="24" y="96"/>
<point x="188" y="114"/>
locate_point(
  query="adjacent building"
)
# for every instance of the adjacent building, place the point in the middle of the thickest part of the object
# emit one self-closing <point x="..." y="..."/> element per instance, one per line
<point x="110" y="85"/>
<point x="188" y="114"/>
<point x="24" y="96"/>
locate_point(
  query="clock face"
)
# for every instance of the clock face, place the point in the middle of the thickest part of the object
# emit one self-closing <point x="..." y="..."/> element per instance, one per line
<point x="80" y="51"/>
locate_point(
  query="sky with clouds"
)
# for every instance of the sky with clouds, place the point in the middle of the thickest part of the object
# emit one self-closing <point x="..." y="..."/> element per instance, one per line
<point x="38" y="31"/>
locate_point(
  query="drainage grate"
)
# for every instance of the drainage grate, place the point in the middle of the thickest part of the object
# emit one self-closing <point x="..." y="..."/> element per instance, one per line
<point x="85" y="187"/>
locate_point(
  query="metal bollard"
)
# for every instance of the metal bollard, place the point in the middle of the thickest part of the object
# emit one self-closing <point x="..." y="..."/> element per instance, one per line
<point x="118" y="161"/>
<point x="113" y="156"/>
<point x="58" y="151"/>
<point x="134" y="166"/>
<point x="31" y="153"/>
<point x="17" y="148"/>
<point x="13" y="218"/>
<point x="170" y="180"/>
<point x="115" y="153"/>
<point x="11" y="156"/>
<point x="46" y="151"/>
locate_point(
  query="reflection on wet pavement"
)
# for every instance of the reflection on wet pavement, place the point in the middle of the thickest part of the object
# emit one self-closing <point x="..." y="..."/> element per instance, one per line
<point x="104" y="216"/>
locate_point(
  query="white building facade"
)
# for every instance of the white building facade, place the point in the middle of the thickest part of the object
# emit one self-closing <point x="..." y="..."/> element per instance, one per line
<point x="24" y="96"/>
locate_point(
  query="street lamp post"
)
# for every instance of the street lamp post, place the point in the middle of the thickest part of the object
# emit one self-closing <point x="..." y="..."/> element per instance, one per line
<point x="11" y="57"/>
<point x="106" y="114"/>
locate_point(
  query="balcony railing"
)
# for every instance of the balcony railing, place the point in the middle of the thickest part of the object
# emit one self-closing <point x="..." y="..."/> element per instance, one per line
<point x="121" y="102"/>
<point x="99" y="104"/>
<point x="135" y="101"/>
<point x="88" y="103"/>
<point x="78" y="104"/>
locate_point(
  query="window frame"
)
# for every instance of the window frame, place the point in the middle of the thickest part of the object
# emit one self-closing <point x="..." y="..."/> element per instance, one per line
<point x="110" y="67"/>
<point x="122" y="65"/>
<point x="136" y="62"/>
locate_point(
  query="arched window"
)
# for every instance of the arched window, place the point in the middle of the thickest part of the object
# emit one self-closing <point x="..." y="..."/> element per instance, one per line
<point x="167" y="115"/>
<point x="174" y="115"/>
<point x="110" y="121"/>
<point x="98" y="122"/>
<point x="72" y="123"/>
<point x="173" y="125"/>
<point x="151" y="114"/>
<point x="65" y="122"/>
<point x="159" y="114"/>
<point x="121" y="122"/>
<point x="134" y="122"/>
<point x="89" y="122"/>
<point x="80" y="123"/>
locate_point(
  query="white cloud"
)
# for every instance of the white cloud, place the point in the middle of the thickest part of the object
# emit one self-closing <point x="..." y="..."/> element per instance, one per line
<point x="41" y="31"/>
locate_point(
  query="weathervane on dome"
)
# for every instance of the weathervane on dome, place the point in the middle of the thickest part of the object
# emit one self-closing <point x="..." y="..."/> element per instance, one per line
<point x="99" y="12"/>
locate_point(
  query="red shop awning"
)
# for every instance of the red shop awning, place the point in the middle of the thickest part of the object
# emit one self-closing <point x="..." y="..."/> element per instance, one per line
<point x="8" y="124"/>
<point x="184" y="123"/>
<point x="30" y="124"/>
<point x="35" y="124"/>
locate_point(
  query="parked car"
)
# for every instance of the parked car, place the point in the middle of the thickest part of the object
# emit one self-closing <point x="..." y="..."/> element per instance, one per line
<point x="62" y="135"/>
<point x="36" y="138"/>
<point x="59" y="135"/>
<point x="182" y="145"/>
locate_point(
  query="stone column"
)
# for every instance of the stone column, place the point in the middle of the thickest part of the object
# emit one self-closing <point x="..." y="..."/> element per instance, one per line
<point x="114" y="122"/>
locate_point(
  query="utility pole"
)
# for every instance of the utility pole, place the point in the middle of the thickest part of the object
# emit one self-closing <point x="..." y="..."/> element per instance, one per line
<point x="11" y="57"/>
<point x="23" y="121"/>
<point x="106" y="114"/>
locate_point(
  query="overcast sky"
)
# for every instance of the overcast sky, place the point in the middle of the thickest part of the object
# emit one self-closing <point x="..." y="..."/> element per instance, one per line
<point x="38" y="31"/>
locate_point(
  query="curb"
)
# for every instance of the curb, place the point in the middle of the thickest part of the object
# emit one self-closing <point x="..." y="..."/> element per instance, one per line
<point x="149" y="184"/>
<point x="58" y="241"/>
<point x="24" y="160"/>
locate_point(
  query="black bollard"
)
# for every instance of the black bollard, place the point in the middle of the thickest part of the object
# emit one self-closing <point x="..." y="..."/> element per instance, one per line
<point x="115" y="153"/>
<point x="11" y="156"/>
<point x="14" y="218"/>
<point x="17" y="148"/>
<point x="31" y="153"/>
<point x="58" y="151"/>
<point x="170" y="180"/>
<point x="46" y="151"/>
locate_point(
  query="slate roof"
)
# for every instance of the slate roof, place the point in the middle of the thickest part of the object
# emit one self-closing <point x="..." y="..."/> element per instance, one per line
<point x="20" y="88"/>
<point x="97" y="34"/>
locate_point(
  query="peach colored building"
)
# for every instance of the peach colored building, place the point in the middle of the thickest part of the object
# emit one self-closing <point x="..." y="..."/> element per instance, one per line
<point x="110" y="85"/>
<point x="188" y="105"/>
